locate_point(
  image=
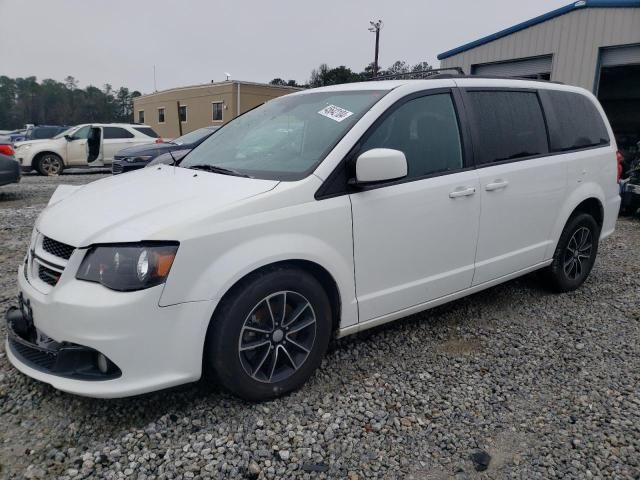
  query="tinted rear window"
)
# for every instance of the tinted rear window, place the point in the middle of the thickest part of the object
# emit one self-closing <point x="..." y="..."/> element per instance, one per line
<point x="148" y="131"/>
<point x="507" y="125"/>
<point x="116" y="132"/>
<point x="574" y="121"/>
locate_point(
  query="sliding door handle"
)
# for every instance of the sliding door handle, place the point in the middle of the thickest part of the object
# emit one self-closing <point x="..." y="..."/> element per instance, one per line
<point x="496" y="185"/>
<point x="462" y="192"/>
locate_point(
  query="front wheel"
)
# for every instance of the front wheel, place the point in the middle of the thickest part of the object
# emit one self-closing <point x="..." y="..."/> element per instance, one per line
<point x="49" y="164"/>
<point x="269" y="335"/>
<point x="575" y="254"/>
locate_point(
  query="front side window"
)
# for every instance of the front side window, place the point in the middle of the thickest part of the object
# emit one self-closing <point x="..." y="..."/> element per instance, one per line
<point x="141" y="116"/>
<point x="426" y="130"/>
<point x="116" y="132"/>
<point x="182" y="113"/>
<point x="81" y="133"/>
<point x="216" y="111"/>
<point x="287" y="137"/>
<point x="507" y="125"/>
<point x="161" y="115"/>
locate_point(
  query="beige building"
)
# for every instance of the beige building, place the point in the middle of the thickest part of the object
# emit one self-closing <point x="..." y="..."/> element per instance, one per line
<point x="594" y="44"/>
<point x="177" y="111"/>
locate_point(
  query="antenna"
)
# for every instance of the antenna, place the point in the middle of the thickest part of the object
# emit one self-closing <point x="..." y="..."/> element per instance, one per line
<point x="155" y="87"/>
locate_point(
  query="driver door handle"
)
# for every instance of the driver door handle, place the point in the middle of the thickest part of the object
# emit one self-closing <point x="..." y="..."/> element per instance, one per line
<point x="462" y="192"/>
<point x="496" y="185"/>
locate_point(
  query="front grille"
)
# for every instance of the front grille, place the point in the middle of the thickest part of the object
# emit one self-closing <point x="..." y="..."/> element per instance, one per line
<point x="56" y="248"/>
<point x="48" y="276"/>
<point x="35" y="356"/>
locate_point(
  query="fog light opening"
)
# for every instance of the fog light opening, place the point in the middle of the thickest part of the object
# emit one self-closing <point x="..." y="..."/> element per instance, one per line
<point x="103" y="363"/>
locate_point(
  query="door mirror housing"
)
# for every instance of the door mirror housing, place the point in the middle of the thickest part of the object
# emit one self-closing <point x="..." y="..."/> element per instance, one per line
<point x="380" y="165"/>
<point x="69" y="138"/>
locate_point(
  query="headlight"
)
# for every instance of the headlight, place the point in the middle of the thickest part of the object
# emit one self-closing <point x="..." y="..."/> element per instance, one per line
<point x="128" y="267"/>
<point x="143" y="158"/>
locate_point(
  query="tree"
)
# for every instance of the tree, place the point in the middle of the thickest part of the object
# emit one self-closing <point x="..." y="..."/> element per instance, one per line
<point x="398" y="68"/>
<point x="24" y="100"/>
<point x="278" y="81"/>
<point x="421" y="67"/>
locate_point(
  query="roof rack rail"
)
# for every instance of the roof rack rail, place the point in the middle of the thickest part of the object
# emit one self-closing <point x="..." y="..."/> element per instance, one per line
<point x="422" y="74"/>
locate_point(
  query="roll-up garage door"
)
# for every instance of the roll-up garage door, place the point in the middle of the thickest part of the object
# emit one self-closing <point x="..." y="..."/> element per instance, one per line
<point x="527" y="67"/>
<point x="610" y="57"/>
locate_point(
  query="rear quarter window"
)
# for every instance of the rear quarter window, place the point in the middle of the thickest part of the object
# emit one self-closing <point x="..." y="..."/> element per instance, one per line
<point x="574" y="121"/>
<point x="148" y="131"/>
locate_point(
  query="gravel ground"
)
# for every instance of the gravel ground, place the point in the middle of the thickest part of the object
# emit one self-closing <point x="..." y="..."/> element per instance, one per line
<point x="547" y="385"/>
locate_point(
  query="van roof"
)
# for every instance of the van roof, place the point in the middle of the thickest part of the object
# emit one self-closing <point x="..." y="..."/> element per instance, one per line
<point x="432" y="82"/>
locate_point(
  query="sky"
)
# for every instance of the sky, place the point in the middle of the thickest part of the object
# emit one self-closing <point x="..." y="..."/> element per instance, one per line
<point x="197" y="41"/>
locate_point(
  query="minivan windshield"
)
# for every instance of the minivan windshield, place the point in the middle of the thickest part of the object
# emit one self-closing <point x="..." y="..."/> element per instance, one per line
<point x="284" y="139"/>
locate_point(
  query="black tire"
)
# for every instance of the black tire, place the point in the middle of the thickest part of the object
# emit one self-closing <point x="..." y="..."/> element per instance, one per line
<point x="268" y="346"/>
<point x="49" y="164"/>
<point x="569" y="269"/>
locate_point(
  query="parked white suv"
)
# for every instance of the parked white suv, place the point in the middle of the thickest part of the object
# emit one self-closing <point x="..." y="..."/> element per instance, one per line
<point x="320" y="213"/>
<point x="83" y="145"/>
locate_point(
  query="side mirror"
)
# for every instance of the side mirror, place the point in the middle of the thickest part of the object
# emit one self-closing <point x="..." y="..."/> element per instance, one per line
<point x="69" y="138"/>
<point x="380" y="165"/>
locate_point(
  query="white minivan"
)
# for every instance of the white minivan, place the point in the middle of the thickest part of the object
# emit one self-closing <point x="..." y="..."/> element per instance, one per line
<point x="321" y="213"/>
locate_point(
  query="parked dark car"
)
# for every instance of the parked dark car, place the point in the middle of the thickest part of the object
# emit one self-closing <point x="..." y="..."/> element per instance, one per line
<point x="40" y="132"/>
<point x="13" y="136"/>
<point x="9" y="170"/>
<point x="630" y="187"/>
<point x="134" y="158"/>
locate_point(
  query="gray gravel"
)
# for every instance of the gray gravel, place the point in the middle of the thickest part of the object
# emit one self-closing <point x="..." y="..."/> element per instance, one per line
<point x="548" y="385"/>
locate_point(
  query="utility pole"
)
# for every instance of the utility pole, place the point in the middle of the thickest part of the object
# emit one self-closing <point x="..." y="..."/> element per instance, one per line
<point x="376" y="27"/>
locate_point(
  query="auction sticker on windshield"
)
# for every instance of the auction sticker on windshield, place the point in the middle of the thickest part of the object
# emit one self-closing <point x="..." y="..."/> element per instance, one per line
<point x="335" y="113"/>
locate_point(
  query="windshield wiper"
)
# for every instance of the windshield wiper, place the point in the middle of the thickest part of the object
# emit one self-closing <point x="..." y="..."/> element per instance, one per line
<point x="220" y="170"/>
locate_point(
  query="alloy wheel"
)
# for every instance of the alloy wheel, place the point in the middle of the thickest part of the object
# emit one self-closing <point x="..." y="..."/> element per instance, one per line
<point x="578" y="253"/>
<point x="50" y="165"/>
<point x="277" y="336"/>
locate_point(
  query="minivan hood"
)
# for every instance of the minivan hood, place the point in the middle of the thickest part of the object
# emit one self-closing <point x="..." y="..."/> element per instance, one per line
<point x="146" y="204"/>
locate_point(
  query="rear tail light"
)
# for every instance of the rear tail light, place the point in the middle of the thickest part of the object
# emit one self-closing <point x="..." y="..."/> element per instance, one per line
<point x="7" y="150"/>
<point x="619" y="159"/>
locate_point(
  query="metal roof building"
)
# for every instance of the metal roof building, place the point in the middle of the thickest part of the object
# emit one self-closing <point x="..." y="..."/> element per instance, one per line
<point x="594" y="44"/>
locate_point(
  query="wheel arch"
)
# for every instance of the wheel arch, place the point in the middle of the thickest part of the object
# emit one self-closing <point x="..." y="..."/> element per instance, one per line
<point x="37" y="156"/>
<point x="320" y="273"/>
<point x="590" y="199"/>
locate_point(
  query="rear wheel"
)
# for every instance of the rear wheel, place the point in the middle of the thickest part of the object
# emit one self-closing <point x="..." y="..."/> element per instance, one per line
<point x="269" y="335"/>
<point x="575" y="254"/>
<point x="49" y="164"/>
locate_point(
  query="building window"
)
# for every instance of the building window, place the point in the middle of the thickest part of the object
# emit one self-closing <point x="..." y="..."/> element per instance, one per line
<point x="140" y="116"/>
<point x="182" y="113"/>
<point x="216" y="111"/>
<point x="161" y="115"/>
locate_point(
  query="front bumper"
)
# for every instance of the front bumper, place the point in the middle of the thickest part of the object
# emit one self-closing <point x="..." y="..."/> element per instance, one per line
<point x="121" y="166"/>
<point x="153" y="347"/>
